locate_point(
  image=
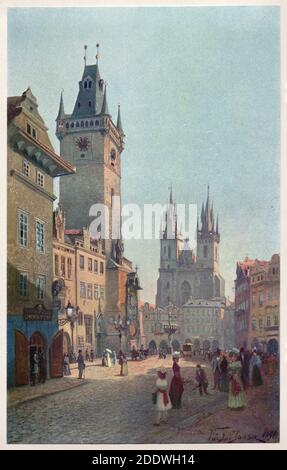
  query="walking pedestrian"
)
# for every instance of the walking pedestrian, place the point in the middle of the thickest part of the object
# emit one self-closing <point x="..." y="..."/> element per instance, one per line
<point x="87" y="355"/>
<point x="92" y="356"/>
<point x="34" y="368"/>
<point x="66" y="364"/>
<point x="244" y="359"/>
<point x="108" y="360"/>
<point x="163" y="403"/>
<point x="255" y="365"/>
<point x="114" y="358"/>
<point x="104" y="359"/>
<point x="176" y="387"/>
<point x="81" y="364"/>
<point x="200" y="377"/>
<point x="215" y="365"/>
<point x="123" y="363"/>
<point x="224" y="380"/>
<point x="236" y="396"/>
<point x="42" y="368"/>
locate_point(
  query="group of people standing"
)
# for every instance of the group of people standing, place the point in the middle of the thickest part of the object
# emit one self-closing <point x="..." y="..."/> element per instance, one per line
<point x="109" y="359"/>
<point x="233" y="372"/>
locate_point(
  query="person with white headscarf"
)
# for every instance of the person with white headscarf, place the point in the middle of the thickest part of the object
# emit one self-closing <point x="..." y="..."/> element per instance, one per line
<point x="162" y="401"/>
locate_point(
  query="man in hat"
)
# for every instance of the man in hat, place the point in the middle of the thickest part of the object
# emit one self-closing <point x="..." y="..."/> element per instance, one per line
<point x="163" y="403"/>
<point x="81" y="364"/>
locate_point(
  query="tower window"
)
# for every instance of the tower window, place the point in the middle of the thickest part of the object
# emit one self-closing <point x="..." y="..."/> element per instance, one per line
<point x="82" y="123"/>
<point x="79" y="105"/>
<point x="77" y="124"/>
<point x="90" y="84"/>
<point x="97" y="122"/>
<point x="113" y="157"/>
<point x="86" y="124"/>
<point x="90" y="105"/>
<point x="67" y="125"/>
<point x="72" y="124"/>
<point x="169" y="252"/>
<point x="91" y="123"/>
<point x="167" y="285"/>
<point x="85" y="85"/>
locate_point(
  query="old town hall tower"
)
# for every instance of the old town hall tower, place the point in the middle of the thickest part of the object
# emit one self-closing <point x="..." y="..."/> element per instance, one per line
<point x="93" y="143"/>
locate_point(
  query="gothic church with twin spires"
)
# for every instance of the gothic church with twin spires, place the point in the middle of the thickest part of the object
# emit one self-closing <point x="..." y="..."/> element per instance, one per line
<point x="184" y="273"/>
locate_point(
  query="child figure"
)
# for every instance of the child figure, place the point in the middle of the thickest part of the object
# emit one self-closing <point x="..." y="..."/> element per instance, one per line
<point x="201" y="379"/>
<point x="163" y="403"/>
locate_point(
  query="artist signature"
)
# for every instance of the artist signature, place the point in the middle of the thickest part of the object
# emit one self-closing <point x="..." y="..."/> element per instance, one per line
<point x="227" y="434"/>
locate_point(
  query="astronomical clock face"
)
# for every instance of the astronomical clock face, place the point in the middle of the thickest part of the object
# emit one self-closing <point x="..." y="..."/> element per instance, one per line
<point x="83" y="143"/>
<point x="132" y="313"/>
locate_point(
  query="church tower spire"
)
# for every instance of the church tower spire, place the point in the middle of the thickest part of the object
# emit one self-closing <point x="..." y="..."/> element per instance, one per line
<point x="119" y="121"/>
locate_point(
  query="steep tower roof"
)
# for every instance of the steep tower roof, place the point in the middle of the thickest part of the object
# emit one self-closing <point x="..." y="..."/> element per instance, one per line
<point x="119" y="122"/>
<point x="207" y="215"/>
<point x="90" y="98"/>
<point x="105" y="108"/>
<point x="61" y="113"/>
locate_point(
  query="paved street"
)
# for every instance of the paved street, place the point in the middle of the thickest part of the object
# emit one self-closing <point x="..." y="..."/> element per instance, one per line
<point x="113" y="409"/>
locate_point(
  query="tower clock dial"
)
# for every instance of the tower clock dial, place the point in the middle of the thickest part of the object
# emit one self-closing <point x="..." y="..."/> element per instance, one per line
<point x="83" y="143"/>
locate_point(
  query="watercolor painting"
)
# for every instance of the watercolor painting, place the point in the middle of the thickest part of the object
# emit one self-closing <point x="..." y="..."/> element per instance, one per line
<point x="143" y="212"/>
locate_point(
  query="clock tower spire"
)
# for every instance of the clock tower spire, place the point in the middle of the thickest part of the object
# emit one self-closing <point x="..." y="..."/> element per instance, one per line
<point x="93" y="143"/>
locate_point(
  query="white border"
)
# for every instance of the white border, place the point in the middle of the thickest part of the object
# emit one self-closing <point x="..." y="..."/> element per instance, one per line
<point x="283" y="252"/>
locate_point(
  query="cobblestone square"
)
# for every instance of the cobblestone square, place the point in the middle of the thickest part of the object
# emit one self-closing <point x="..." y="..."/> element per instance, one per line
<point x="110" y="409"/>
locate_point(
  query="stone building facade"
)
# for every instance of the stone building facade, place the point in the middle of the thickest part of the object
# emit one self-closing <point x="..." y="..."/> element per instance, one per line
<point x="155" y="325"/>
<point x="203" y="323"/>
<point x="79" y="280"/>
<point x="92" y="142"/>
<point x="257" y="304"/>
<point x="265" y="305"/>
<point x="32" y="164"/>
<point x="184" y="273"/>
<point x="242" y="301"/>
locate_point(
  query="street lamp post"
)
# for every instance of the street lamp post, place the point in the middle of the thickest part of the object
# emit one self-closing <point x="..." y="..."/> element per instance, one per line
<point x="71" y="317"/>
<point x="120" y="326"/>
<point x="170" y="328"/>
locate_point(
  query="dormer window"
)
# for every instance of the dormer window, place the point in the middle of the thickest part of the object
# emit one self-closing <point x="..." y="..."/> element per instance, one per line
<point x="85" y="85"/>
<point x="90" y="84"/>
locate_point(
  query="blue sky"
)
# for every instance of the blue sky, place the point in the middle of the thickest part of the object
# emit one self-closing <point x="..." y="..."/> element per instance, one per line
<point x="200" y="98"/>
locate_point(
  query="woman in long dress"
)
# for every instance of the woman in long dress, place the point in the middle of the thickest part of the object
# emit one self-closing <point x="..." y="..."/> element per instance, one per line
<point x="255" y="364"/>
<point x="224" y="379"/>
<point x="163" y="403"/>
<point x="109" y="362"/>
<point x="176" y="386"/>
<point x="123" y="363"/>
<point x="236" y="396"/>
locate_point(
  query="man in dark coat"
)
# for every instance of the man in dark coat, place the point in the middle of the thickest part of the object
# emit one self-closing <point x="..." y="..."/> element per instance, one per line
<point x="200" y="377"/>
<point x="244" y="359"/>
